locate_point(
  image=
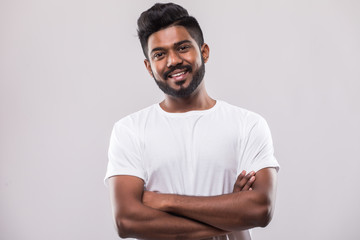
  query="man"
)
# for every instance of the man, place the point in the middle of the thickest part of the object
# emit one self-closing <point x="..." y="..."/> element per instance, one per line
<point x="185" y="168"/>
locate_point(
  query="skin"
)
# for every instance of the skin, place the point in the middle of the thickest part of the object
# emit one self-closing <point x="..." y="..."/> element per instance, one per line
<point x="172" y="54"/>
<point x="148" y="215"/>
<point x="230" y="212"/>
<point x="135" y="219"/>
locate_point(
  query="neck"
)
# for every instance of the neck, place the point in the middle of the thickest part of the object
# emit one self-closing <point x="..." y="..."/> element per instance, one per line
<point x="198" y="100"/>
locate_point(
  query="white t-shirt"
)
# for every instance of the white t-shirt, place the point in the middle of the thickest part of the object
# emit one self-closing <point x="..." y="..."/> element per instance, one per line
<point x="197" y="153"/>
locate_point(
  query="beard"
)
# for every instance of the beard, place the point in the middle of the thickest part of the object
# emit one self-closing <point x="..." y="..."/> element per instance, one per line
<point x="183" y="92"/>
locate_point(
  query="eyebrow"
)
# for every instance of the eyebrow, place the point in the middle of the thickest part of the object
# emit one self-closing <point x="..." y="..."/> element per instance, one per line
<point x="175" y="45"/>
<point x="181" y="42"/>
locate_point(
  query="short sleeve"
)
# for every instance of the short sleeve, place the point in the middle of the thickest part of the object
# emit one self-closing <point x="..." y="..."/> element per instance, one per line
<point x="124" y="153"/>
<point x="258" y="150"/>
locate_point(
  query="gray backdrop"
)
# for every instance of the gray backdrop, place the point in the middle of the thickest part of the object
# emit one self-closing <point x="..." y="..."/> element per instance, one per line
<point x="69" y="69"/>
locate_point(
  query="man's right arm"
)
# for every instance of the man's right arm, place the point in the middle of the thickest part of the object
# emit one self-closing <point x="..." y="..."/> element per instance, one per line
<point x="134" y="219"/>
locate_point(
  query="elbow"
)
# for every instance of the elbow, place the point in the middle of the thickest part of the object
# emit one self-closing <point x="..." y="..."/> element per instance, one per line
<point x="127" y="225"/>
<point x="123" y="227"/>
<point x="265" y="213"/>
<point x="261" y="212"/>
<point x="265" y="217"/>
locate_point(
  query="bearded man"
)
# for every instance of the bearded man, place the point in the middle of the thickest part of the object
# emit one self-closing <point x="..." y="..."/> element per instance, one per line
<point x="189" y="167"/>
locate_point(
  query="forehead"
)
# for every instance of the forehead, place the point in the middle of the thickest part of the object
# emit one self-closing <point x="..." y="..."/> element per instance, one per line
<point x="167" y="37"/>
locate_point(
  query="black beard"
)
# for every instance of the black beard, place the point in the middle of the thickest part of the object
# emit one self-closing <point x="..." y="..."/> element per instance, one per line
<point x="183" y="92"/>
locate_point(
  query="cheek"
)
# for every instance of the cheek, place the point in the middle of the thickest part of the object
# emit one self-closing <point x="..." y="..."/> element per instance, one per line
<point x="197" y="63"/>
<point x="157" y="69"/>
<point x="194" y="58"/>
<point x="157" y="72"/>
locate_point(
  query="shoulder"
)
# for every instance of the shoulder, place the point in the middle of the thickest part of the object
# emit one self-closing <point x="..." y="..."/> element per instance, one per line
<point x="134" y="121"/>
<point x="243" y="115"/>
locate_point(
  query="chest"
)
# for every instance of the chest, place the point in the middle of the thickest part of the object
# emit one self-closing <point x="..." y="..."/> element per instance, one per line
<point x="183" y="155"/>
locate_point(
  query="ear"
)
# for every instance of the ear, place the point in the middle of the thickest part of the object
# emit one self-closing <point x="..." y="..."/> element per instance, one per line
<point x="148" y="67"/>
<point x="205" y="52"/>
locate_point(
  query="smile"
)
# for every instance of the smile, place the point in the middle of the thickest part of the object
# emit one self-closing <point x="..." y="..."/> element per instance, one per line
<point x="178" y="72"/>
<point x="179" y="76"/>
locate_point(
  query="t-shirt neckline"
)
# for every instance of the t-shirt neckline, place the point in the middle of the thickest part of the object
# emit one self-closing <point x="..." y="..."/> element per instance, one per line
<point x="189" y="113"/>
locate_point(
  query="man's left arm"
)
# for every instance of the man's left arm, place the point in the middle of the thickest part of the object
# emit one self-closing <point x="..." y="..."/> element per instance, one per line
<point x="231" y="212"/>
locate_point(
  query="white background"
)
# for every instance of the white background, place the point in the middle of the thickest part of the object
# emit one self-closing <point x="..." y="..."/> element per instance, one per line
<point x="70" y="69"/>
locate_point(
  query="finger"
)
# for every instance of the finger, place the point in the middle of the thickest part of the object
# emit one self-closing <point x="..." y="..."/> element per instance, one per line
<point x="237" y="185"/>
<point x="241" y="175"/>
<point x="247" y="181"/>
<point x="242" y="179"/>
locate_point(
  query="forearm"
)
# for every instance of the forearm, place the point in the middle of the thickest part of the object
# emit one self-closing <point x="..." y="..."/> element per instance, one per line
<point x="235" y="211"/>
<point x="146" y="223"/>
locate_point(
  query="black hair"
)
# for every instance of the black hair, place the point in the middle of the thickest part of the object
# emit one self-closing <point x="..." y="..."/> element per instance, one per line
<point x="163" y="15"/>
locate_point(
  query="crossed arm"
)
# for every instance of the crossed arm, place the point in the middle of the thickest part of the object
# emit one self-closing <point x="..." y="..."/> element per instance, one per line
<point x="149" y="215"/>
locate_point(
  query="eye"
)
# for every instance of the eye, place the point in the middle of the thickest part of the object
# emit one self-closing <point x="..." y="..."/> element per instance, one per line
<point x="184" y="48"/>
<point x="158" y="55"/>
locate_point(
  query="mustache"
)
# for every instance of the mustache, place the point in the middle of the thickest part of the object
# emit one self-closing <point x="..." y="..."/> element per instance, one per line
<point x="186" y="67"/>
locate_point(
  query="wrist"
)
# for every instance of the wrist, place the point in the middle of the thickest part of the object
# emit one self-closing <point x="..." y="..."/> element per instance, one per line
<point x="166" y="202"/>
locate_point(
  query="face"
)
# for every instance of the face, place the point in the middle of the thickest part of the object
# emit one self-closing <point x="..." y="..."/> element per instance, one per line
<point x="175" y="61"/>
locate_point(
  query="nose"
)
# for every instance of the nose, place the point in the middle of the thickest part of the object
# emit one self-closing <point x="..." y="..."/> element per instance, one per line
<point x="173" y="59"/>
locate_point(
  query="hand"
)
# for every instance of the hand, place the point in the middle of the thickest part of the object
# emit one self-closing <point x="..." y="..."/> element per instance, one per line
<point x="154" y="200"/>
<point x="244" y="181"/>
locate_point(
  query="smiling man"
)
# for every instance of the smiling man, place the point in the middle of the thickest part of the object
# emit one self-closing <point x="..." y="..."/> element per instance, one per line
<point x="181" y="74"/>
<point x="190" y="167"/>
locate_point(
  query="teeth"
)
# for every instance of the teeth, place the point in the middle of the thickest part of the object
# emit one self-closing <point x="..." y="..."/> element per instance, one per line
<point x="177" y="74"/>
